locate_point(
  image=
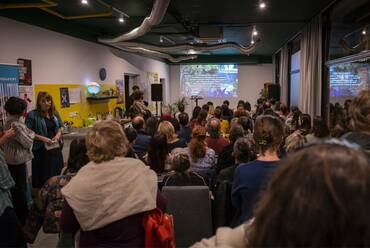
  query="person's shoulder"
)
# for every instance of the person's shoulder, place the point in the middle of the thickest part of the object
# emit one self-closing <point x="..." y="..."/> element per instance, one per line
<point x="33" y="114"/>
<point x="210" y="151"/>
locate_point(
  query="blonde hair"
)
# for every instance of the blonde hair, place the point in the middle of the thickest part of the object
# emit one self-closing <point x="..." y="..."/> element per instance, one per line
<point x="105" y="141"/>
<point x="166" y="128"/>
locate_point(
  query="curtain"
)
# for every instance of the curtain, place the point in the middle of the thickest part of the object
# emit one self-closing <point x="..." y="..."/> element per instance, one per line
<point x="284" y="74"/>
<point x="311" y="68"/>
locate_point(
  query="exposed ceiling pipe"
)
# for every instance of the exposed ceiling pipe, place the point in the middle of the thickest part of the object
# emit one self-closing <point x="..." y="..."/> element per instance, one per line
<point x="155" y="18"/>
<point x="43" y="4"/>
<point x="196" y="47"/>
<point x="157" y="54"/>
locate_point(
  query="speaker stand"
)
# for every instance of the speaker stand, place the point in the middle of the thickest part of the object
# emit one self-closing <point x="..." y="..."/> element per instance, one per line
<point x="156" y="108"/>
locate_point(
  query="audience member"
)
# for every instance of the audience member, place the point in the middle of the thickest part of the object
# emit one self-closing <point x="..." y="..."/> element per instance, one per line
<point x="201" y="120"/>
<point x="181" y="109"/>
<point x="247" y="106"/>
<point x="202" y="158"/>
<point x="108" y="197"/>
<point x="360" y="121"/>
<point x="151" y="126"/>
<point x="141" y="143"/>
<point x="195" y="114"/>
<point x="173" y="141"/>
<point x="225" y="158"/>
<point x="246" y="123"/>
<point x="297" y="139"/>
<point x="242" y="153"/>
<point x="226" y="113"/>
<point x="185" y="130"/>
<point x="215" y="141"/>
<point x="181" y="175"/>
<point x="217" y="113"/>
<point x="211" y="108"/>
<point x="308" y="194"/>
<point x="138" y="107"/>
<point x="320" y="130"/>
<point x="131" y="135"/>
<point x="10" y="228"/>
<point x="48" y="127"/>
<point x="157" y="156"/>
<point x="18" y="151"/>
<point x="252" y="177"/>
<point x="47" y="207"/>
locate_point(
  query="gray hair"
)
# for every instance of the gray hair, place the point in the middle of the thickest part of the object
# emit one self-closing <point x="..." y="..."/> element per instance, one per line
<point x="214" y="127"/>
<point x="242" y="150"/>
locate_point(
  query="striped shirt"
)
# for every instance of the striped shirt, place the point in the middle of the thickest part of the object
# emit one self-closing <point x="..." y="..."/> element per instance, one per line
<point x="6" y="183"/>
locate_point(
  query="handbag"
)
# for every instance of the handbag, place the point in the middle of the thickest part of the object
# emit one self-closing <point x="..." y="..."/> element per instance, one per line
<point x="159" y="229"/>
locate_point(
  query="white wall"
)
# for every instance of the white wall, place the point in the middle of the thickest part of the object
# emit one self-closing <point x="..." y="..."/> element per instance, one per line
<point x="61" y="59"/>
<point x="251" y="79"/>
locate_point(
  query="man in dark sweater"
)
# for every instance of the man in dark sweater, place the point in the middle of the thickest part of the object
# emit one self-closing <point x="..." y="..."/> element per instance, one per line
<point x="141" y="143"/>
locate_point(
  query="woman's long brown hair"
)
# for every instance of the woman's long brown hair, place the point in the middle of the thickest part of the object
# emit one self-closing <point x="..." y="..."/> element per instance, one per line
<point x="45" y="95"/>
<point x="318" y="197"/>
<point x="197" y="145"/>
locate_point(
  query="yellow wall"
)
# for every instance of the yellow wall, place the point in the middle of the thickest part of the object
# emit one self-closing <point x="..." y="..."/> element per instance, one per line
<point x="84" y="108"/>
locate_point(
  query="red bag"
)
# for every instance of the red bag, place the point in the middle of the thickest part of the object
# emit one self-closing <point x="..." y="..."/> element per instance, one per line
<point x="159" y="229"/>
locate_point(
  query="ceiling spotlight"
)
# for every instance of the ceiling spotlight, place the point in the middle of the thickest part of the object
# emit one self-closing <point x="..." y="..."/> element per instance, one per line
<point x="191" y="51"/>
<point x="254" y="32"/>
<point x="85" y="2"/>
<point x="252" y="42"/>
<point x="364" y="32"/>
<point x="121" y="19"/>
<point x="262" y="5"/>
<point x="161" y="39"/>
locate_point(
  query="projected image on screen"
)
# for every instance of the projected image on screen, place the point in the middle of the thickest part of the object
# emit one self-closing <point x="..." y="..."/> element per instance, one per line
<point x="209" y="80"/>
<point x="346" y="80"/>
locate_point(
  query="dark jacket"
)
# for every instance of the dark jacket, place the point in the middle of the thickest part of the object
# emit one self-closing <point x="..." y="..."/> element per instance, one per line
<point x="185" y="133"/>
<point x="225" y="158"/>
<point x="35" y="121"/>
<point x="141" y="144"/>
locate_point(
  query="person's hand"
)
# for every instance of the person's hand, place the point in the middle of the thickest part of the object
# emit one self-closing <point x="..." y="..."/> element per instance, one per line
<point x="57" y="136"/>
<point x="47" y="140"/>
<point x="9" y="133"/>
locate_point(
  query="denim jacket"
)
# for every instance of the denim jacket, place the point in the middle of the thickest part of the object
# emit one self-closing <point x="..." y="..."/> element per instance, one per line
<point x="35" y="121"/>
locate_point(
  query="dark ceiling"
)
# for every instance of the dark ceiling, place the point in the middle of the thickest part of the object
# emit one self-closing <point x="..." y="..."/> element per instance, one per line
<point x="276" y="24"/>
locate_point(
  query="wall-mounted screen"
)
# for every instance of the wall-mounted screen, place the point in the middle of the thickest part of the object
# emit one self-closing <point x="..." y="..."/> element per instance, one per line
<point x="209" y="80"/>
<point x="347" y="79"/>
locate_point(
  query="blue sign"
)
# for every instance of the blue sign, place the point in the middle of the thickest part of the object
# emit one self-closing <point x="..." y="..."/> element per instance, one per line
<point x="9" y="74"/>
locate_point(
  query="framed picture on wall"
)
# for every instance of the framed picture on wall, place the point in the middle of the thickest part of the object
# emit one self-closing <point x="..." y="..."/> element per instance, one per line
<point x="25" y="71"/>
<point x="64" y="98"/>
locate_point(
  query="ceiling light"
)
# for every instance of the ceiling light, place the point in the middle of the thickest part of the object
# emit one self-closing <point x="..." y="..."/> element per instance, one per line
<point x="85" y="2"/>
<point x="254" y="32"/>
<point x="191" y="51"/>
<point x="364" y="32"/>
<point x="161" y="39"/>
<point x="252" y="42"/>
<point x="262" y="5"/>
<point x="121" y="19"/>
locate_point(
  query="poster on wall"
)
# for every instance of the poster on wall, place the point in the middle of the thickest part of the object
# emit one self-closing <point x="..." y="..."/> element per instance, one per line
<point x="9" y="79"/>
<point x="64" y="98"/>
<point x="26" y="93"/>
<point x="74" y="95"/>
<point x="25" y="71"/>
<point x="119" y="85"/>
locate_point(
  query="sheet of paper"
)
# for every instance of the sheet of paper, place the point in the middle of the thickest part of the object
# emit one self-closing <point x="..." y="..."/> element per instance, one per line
<point x="74" y="95"/>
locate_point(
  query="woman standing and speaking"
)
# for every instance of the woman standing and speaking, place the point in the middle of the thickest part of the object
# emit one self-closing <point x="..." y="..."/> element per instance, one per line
<point x="47" y="125"/>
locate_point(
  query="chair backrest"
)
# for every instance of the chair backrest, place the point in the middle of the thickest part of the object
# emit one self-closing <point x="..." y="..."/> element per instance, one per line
<point x="191" y="209"/>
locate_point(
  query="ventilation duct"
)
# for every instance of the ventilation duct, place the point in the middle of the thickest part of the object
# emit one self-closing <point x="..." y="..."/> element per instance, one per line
<point x="155" y="18"/>
<point x="157" y="54"/>
<point x="195" y="47"/>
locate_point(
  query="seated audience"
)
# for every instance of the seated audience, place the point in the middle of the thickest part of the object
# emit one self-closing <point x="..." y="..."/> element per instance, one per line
<point x="305" y="202"/>
<point x="157" y="156"/>
<point x="181" y="175"/>
<point x="10" y="228"/>
<point x="202" y="158"/>
<point x="211" y="109"/>
<point x="217" y="113"/>
<point x="185" y="130"/>
<point x="242" y="154"/>
<point x="292" y="120"/>
<point x="320" y="130"/>
<point x="247" y="106"/>
<point x="297" y="139"/>
<point x="226" y="113"/>
<point x="131" y="135"/>
<point x="173" y="141"/>
<point x="151" y="126"/>
<point x="360" y="121"/>
<point x="251" y="178"/>
<point x="108" y="197"/>
<point x="195" y="113"/>
<point x="18" y="151"/>
<point x="225" y="158"/>
<point x="141" y="143"/>
<point x="246" y="123"/>
<point x="181" y="109"/>
<point x="215" y="141"/>
<point x="47" y="207"/>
